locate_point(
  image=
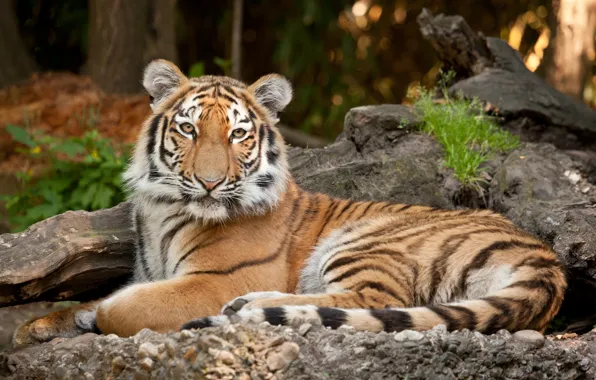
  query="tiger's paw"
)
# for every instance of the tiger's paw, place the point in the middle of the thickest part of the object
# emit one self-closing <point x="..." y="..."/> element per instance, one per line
<point x="66" y="323"/>
<point x="247" y="301"/>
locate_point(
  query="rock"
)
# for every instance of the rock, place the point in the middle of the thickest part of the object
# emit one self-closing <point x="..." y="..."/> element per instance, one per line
<point x="530" y="336"/>
<point x="282" y="357"/>
<point x="304" y="328"/>
<point x="388" y="121"/>
<point x="226" y="357"/>
<point x="148" y="350"/>
<point x="185" y="334"/>
<point x="406" y="335"/>
<point x="146" y="364"/>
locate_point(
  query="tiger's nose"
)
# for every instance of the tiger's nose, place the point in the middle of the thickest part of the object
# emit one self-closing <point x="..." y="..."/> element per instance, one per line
<point x="210" y="183"/>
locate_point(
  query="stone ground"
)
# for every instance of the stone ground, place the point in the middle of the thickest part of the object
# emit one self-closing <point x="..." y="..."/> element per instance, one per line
<point x="308" y="352"/>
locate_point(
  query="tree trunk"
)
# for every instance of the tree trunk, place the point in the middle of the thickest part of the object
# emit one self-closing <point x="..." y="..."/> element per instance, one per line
<point x="573" y="46"/>
<point x="161" y="37"/>
<point x="16" y="63"/>
<point x="237" y="39"/>
<point x="117" y="32"/>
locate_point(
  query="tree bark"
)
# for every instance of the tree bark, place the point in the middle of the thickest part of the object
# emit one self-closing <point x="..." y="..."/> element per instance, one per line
<point x="572" y="46"/>
<point x="237" y="39"/>
<point x="161" y="36"/>
<point x="117" y="32"/>
<point x="16" y="63"/>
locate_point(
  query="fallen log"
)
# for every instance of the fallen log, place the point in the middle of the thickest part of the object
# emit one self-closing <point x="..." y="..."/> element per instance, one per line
<point x="69" y="256"/>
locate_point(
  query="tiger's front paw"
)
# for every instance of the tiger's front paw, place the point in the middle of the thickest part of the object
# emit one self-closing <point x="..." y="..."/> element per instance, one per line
<point x="247" y="301"/>
<point x="66" y="323"/>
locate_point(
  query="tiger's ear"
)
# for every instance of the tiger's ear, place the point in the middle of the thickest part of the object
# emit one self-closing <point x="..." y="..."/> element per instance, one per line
<point x="272" y="91"/>
<point x="161" y="79"/>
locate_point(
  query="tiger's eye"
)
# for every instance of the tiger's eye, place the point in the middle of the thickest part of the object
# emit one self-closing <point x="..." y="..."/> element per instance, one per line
<point x="187" y="128"/>
<point x="238" y="133"/>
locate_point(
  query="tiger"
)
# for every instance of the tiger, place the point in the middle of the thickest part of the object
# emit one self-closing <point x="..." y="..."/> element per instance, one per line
<point x="225" y="235"/>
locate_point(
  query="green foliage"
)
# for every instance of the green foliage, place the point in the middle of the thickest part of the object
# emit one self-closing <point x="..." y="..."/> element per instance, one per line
<point x="468" y="137"/>
<point x="196" y="70"/>
<point x="224" y="64"/>
<point x="322" y="59"/>
<point x="83" y="173"/>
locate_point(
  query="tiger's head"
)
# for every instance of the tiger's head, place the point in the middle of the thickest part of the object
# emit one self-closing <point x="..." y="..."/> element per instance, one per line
<point x="211" y="144"/>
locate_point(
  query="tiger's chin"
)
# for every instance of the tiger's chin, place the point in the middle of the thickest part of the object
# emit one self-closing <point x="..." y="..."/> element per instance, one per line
<point x="208" y="209"/>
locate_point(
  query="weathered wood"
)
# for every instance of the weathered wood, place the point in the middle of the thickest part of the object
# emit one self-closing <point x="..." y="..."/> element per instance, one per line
<point x="455" y="43"/>
<point x="66" y="256"/>
<point x="493" y="72"/>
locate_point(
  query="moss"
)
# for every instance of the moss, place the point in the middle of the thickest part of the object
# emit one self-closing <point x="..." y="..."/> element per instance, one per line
<point x="468" y="137"/>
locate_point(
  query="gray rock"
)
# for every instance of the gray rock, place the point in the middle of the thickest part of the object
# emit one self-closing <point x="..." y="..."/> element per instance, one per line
<point x="529" y="336"/>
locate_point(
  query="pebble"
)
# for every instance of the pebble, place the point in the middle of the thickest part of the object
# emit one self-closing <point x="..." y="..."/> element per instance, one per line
<point x="148" y="350"/>
<point x="226" y="357"/>
<point x="186" y="334"/>
<point x="190" y="355"/>
<point x="118" y="362"/>
<point x="304" y="329"/>
<point x="146" y="364"/>
<point x="408" y="335"/>
<point x="287" y="353"/>
<point x="275" y="341"/>
<point x="574" y="177"/>
<point x="171" y="347"/>
<point x="61" y="372"/>
<point x="529" y="336"/>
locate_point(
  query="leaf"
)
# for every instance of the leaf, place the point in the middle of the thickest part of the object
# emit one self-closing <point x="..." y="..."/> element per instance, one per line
<point x="224" y="64"/>
<point x="88" y="195"/>
<point x="50" y="196"/>
<point x="197" y="69"/>
<point x="21" y="135"/>
<point x="70" y="148"/>
<point x="43" y="211"/>
<point x="103" y="197"/>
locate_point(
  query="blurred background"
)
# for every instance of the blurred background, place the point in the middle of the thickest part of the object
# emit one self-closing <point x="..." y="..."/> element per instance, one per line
<point x="71" y="100"/>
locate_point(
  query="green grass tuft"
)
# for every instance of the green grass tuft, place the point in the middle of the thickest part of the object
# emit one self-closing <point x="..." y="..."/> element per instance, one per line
<point x="468" y="137"/>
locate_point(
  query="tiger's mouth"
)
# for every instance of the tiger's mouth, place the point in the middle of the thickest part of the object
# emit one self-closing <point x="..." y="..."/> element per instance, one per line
<point x="204" y="200"/>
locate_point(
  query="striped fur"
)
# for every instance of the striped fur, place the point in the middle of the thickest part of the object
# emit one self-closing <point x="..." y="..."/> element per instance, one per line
<point x="221" y="223"/>
<point x="414" y="269"/>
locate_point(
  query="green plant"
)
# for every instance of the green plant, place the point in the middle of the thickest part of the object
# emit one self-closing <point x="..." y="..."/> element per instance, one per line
<point x="81" y="173"/>
<point x="468" y="137"/>
<point x="197" y="69"/>
<point x="224" y="64"/>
